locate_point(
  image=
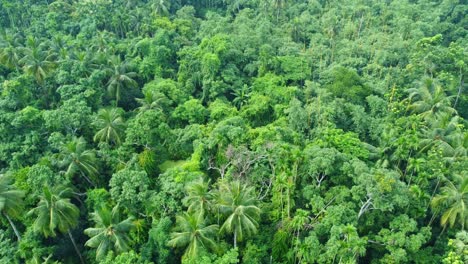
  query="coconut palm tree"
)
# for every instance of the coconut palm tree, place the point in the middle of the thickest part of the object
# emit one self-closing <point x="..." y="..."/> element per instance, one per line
<point x="445" y="132"/>
<point x="453" y="199"/>
<point x="9" y="56"/>
<point x="77" y="159"/>
<point x="193" y="234"/>
<point x="429" y="99"/>
<point x="161" y="7"/>
<point x="241" y="96"/>
<point x="55" y="212"/>
<point x="84" y="61"/>
<point x="37" y="62"/>
<point x="110" y="232"/>
<point x="120" y="77"/>
<point x="237" y="202"/>
<point x="198" y="197"/>
<point x="11" y="202"/>
<point x="10" y="47"/>
<point x="111" y="126"/>
<point x="151" y="100"/>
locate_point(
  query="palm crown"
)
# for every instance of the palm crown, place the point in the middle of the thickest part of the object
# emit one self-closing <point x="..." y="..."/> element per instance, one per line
<point x="193" y="234"/>
<point x="55" y="211"/>
<point x="111" y="126"/>
<point x="11" y="201"/>
<point x="237" y="201"/>
<point x="110" y="233"/>
<point x="453" y="199"/>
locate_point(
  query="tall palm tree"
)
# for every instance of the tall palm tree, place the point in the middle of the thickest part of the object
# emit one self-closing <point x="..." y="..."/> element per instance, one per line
<point x="77" y="159"/>
<point x="193" y="235"/>
<point x="9" y="56"/>
<point x="10" y="44"/>
<point x="198" y="197"/>
<point x="453" y="198"/>
<point x="120" y="77"/>
<point x="110" y="233"/>
<point x="151" y="100"/>
<point x="37" y="62"/>
<point x="11" y="202"/>
<point x="429" y="99"/>
<point x="54" y="212"/>
<point x="241" y="96"/>
<point x="237" y="201"/>
<point x="445" y="132"/>
<point x="83" y="61"/>
<point x="111" y="126"/>
<point x="161" y="7"/>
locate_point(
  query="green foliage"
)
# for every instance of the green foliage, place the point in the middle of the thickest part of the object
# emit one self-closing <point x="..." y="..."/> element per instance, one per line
<point x="253" y="131"/>
<point x="192" y="111"/>
<point x="72" y="116"/>
<point x="39" y="176"/>
<point x="405" y="237"/>
<point x="125" y="258"/>
<point x="156" y="247"/>
<point x="7" y="249"/>
<point x="345" y="83"/>
<point x="130" y="188"/>
<point x="458" y="249"/>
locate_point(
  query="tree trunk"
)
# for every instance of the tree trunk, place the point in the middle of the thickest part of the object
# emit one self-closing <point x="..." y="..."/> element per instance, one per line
<point x="459" y="89"/>
<point x="433" y="193"/>
<point x="235" y="239"/>
<point x="13" y="226"/>
<point x="88" y="179"/>
<point x="76" y="248"/>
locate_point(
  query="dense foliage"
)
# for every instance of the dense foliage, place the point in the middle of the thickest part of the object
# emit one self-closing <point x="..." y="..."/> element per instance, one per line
<point x="234" y="131"/>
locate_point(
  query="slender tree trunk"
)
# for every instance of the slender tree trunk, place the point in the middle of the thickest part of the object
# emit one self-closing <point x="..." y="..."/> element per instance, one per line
<point x="360" y="26"/>
<point x="433" y="193"/>
<point x="76" y="248"/>
<point x="235" y="239"/>
<point x="459" y="89"/>
<point x="88" y="179"/>
<point x="289" y="203"/>
<point x="13" y="226"/>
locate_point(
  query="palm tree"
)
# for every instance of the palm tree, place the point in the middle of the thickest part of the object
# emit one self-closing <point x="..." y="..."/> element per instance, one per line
<point x="110" y="233"/>
<point x="9" y="56"/>
<point x="10" y="49"/>
<point x="237" y="201"/>
<point x="37" y="62"/>
<point x="445" y="132"/>
<point x="111" y="126"/>
<point x="193" y="235"/>
<point x="151" y="100"/>
<point x="241" y="96"/>
<point x="11" y="202"/>
<point x="161" y="7"/>
<point x="76" y="158"/>
<point x="83" y="61"/>
<point x="198" y="197"/>
<point x="120" y="77"/>
<point x="453" y="198"/>
<point x="56" y="211"/>
<point x="279" y="5"/>
<point x="429" y="99"/>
